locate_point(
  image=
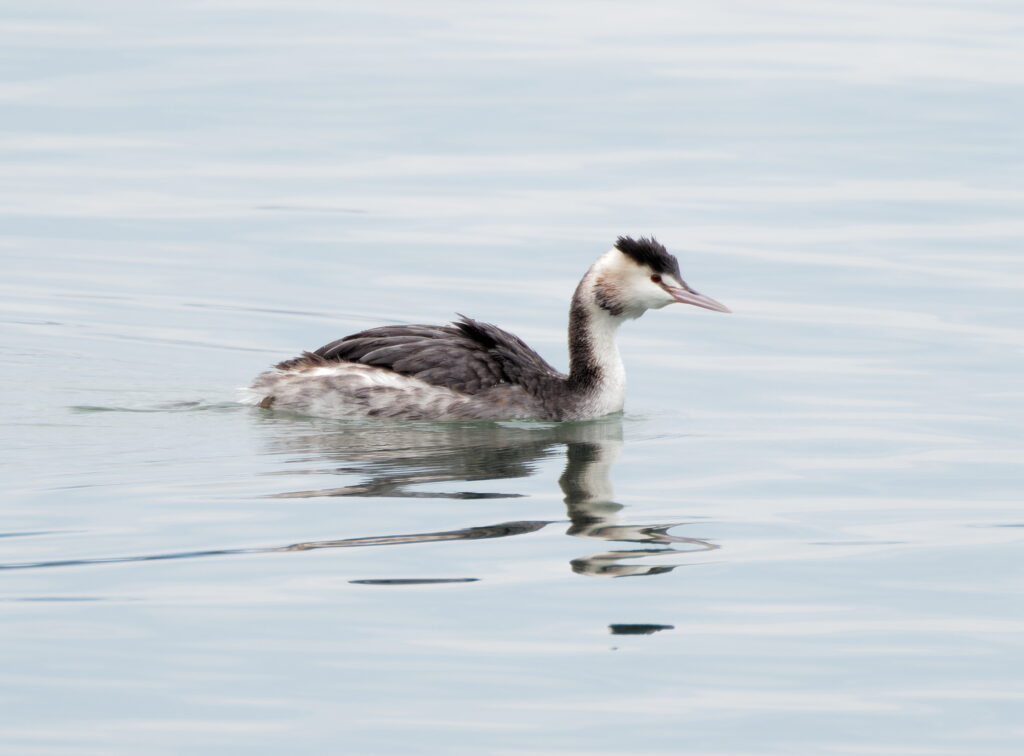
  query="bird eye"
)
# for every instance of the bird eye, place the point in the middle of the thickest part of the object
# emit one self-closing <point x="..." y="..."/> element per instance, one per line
<point x="656" y="278"/>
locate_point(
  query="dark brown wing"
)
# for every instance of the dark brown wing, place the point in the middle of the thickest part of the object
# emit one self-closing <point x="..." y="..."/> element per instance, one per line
<point x="468" y="356"/>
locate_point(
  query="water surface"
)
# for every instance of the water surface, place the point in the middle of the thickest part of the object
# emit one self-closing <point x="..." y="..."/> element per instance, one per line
<point x="803" y="536"/>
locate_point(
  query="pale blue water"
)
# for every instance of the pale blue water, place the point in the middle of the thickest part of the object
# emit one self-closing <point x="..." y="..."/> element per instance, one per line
<point x="802" y="537"/>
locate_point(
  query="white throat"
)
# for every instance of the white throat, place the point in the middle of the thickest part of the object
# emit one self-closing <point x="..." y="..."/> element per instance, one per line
<point x="610" y="393"/>
<point x="596" y="370"/>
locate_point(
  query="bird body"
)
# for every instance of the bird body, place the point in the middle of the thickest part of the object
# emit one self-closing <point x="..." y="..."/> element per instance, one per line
<point x="474" y="370"/>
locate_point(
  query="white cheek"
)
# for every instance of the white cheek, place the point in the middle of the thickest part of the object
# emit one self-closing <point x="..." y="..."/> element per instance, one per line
<point x="645" y="293"/>
<point x="657" y="298"/>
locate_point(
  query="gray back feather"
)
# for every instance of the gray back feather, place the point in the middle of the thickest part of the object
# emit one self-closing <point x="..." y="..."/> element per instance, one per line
<point x="468" y="356"/>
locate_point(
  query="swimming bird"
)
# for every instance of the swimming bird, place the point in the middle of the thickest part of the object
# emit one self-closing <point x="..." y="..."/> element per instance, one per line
<point x="471" y="370"/>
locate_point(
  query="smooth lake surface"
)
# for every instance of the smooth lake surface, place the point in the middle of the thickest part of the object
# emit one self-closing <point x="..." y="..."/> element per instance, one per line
<point x="802" y="537"/>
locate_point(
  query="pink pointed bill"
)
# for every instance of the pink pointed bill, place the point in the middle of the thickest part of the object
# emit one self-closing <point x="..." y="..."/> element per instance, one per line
<point x="691" y="297"/>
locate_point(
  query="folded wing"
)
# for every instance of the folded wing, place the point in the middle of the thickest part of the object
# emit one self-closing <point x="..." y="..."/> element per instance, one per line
<point x="467" y="356"/>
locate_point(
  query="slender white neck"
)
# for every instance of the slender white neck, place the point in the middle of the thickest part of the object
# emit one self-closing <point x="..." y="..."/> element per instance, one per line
<point x="596" y="372"/>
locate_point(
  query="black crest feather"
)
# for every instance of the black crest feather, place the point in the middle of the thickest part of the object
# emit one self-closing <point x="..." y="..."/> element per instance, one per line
<point x="649" y="252"/>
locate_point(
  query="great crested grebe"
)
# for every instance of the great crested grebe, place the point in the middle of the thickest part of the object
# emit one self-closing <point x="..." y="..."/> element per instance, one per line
<point x="476" y="371"/>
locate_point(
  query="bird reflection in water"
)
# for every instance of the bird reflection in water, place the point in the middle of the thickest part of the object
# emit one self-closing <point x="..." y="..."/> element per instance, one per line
<point x="393" y="458"/>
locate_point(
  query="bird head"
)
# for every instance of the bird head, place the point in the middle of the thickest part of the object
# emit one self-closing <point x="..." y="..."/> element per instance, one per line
<point x="637" y="275"/>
